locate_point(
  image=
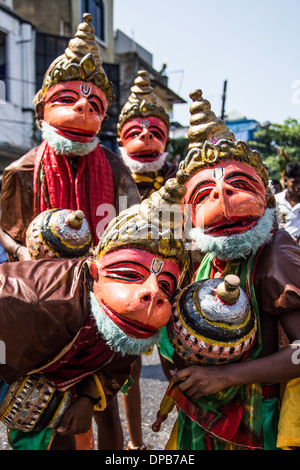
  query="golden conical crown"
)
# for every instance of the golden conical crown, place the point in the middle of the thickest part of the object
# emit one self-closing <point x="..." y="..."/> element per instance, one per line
<point x="142" y="102"/>
<point x="211" y="142"/>
<point x="204" y="125"/>
<point x="80" y="61"/>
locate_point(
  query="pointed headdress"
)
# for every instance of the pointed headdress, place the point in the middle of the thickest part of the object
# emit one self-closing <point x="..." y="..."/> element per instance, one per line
<point x="211" y="142"/>
<point x="80" y="61"/>
<point x="142" y="102"/>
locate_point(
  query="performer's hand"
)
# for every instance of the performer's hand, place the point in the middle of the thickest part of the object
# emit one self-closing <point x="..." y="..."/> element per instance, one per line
<point x="198" y="381"/>
<point x="78" y="417"/>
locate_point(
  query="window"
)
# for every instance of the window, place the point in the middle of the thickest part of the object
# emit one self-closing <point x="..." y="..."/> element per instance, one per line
<point x="48" y="48"/>
<point x="97" y="10"/>
<point x="3" y="65"/>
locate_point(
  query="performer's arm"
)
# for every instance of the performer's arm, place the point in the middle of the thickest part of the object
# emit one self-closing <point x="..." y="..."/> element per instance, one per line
<point x="197" y="381"/>
<point x="15" y="250"/>
<point x="78" y="418"/>
<point x="281" y="366"/>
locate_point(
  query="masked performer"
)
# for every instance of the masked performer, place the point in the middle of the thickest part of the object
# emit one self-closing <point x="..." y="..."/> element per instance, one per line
<point x="143" y="130"/>
<point x="77" y="329"/>
<point x="143" y="138"/>
<point x="70" y="169"/>
<point x="235" y="405"/>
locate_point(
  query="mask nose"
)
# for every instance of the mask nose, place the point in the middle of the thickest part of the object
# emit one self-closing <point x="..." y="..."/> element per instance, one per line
<point x="146" y="136"/>
<point x="150" y="293"/>
<point x="222" y="194"/>
<point x="150" y="305"/>
<point x="83" y="106"/>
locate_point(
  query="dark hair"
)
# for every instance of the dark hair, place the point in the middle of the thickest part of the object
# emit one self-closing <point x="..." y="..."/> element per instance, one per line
<point x="292" y="170"/>
<point x="274" y="182"/>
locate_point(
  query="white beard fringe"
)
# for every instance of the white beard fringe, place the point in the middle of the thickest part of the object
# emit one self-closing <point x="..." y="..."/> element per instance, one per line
<point x="117" y="340"/>
<point x="139" y="167"/>
<point x="63" y="146"/>
<point x="239" y="245"/>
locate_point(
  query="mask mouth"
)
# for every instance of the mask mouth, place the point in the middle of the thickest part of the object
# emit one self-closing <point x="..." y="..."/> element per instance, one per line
<point x="75" y="134"/>
<point x="131" y="328"/>
<point x="144" y="157"/>
<point x="228" y="227"/>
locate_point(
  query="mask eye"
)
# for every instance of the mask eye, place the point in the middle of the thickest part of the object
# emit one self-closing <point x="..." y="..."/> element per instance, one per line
<point x="133" y="135"/>
<point x="157" y="135"/>
<point x="96" y="107"/>
<point x="165" y="287"/>
<point x="242" y="184"/>
<point x="64" y="100"/>
<point x="124" y="275"/>
<point x="202" y="195"/>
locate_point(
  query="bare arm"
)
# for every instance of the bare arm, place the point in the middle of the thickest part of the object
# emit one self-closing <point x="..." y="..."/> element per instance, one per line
<point x="13" y="247"/>
<point x="281" y="366"/>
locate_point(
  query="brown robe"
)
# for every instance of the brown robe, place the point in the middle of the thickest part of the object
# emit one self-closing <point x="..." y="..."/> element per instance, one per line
<point x="146" y="182"/>
<point x="44" y="306"/>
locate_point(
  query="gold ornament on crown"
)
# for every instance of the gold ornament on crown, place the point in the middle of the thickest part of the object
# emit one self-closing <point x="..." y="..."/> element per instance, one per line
<point x="80" y="61"/>
<point x="142" y="102"/>
<point x="211" y="142"/>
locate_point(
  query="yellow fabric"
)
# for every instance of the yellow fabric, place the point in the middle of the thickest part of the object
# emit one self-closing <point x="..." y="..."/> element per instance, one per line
<point x="289" y="421"/>
<point x="101" y="405"/>
<point x="138" y="178"/>
<point x="141" y="178"/>
<point x="167" y="403"/>
<point x="172" y="442"/>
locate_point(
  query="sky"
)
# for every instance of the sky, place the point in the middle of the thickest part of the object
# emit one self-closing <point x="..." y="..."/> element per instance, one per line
<point x="254" y="45"/>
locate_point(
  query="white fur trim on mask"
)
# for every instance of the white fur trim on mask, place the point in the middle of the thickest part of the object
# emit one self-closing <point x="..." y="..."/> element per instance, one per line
<point x="139" y="167"/>
<point x="63" y="146"/>
<point x="116" y="339"/>
<point x="239" y="245"/>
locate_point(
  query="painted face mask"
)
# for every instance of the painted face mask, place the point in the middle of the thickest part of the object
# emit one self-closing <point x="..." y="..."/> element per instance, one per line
<point x="226" y="199"/>
<point x="144" y="139"/>
<point x="133" y="288"/>
<point x="75" y="109"/>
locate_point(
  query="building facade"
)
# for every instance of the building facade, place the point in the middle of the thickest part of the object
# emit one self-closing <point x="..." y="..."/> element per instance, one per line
<point x="17" y="83"/>
<point x="32" y="34"/>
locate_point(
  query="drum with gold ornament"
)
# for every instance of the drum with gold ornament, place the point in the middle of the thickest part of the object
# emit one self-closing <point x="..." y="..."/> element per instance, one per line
<point x="59" y="233"/>
<point x="212" y="322"/>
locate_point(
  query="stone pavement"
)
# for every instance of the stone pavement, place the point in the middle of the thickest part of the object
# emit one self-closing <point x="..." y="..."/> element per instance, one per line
<point x="153" y="386"/>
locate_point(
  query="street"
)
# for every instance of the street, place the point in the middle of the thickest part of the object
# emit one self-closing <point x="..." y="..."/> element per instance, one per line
<point x="153" y="386"/>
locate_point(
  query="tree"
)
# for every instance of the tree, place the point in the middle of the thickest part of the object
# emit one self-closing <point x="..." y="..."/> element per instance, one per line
<point x="178" y="149"/>
<point x="278" y="144"/>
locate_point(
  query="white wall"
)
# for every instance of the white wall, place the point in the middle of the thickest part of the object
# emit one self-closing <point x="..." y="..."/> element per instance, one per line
<point x="8" y="3"/>
<point x="16" y="115"/>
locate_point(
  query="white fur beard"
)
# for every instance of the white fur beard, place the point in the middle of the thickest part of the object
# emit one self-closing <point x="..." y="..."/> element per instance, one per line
<point x="239" y="245"/>
<point x="139" y="167"/>
<point x="117" y="340"/>
<point x="63" y="146"/>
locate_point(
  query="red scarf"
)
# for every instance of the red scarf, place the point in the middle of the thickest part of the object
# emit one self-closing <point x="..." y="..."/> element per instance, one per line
<point x="55" y="185"/>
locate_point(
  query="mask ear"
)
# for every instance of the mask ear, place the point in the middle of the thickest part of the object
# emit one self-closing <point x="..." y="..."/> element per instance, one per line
<point x="93" y="269"/>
